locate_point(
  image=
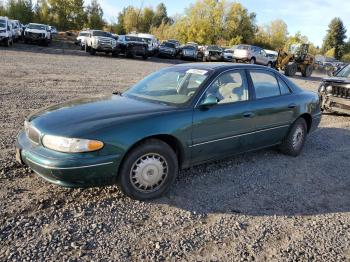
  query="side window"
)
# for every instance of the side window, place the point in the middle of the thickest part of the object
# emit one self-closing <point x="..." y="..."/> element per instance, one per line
<point x="230" y="87"/>
<point x="283" y="87"/>
<point x="265" y="84"/>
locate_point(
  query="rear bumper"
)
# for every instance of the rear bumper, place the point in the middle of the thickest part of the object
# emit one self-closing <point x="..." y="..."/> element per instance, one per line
<point x="335" y="104"/>
<point x="68" y="170"/>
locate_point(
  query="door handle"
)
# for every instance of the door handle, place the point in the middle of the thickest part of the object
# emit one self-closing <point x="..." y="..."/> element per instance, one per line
<point x="248" y="114"/>
<point x="292" y="105"/>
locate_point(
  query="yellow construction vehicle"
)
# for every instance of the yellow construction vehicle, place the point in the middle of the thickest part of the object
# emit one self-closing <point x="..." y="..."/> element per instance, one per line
<point x="297" y="59"/>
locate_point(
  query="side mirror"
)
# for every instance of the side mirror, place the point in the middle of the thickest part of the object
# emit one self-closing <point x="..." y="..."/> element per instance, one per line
<point x="209" y="101"/>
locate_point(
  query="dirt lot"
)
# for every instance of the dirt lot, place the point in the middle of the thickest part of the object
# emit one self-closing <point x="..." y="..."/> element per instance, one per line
<point x="260" y="206"/>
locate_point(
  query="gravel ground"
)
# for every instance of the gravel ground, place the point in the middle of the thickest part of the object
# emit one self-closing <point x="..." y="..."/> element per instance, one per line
<point x="261" y="206"/>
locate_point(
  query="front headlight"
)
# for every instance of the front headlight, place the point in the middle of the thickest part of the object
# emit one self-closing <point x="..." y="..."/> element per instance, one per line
<point x="329" y="89"/>
<point x="71" y="145"/>
<point x="114" y="43"/>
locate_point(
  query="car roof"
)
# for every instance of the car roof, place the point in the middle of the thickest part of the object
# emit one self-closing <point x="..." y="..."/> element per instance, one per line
<point x="223" y="66"/>
<point x="36" y="24"/>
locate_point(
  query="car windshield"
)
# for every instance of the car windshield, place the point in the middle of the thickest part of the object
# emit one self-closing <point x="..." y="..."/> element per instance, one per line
<point x="147" y="40"/>
<point x="83" y="34"/>
<point x="344" y="72"/>
<point x="101" y="33"/>
<point x="243" y="47"/>
<point x="214" y="47"/>
<point x="167" y="44"/>
<point x="191" y="47"/>
<point x="36" y="26"/>
<point x="174" y="86"/>
<point x="2" y="23"/>
<point x="133" y="38"/>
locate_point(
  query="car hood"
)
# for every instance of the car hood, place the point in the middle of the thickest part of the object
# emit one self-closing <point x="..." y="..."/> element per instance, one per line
<point x="103" y="38"/>
<point x="335" y="79"/>
<point x="91" y="113"/>
<point x="36" y="31"/>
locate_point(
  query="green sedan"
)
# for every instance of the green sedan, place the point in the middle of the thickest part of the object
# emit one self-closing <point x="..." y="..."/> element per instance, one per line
<point x="175" y="118"/>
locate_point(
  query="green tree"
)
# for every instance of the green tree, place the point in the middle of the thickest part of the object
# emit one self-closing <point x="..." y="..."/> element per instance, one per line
<point x="20" y="9"/>
<point x="278" y="32"/>
<point x="160" y="15"/>
<point x="240" y="24"/>
<point x="130" y="19"/>
<point x="146" y="20"/>
<point x="95" y="15"/>
<point x="336" y="34"/>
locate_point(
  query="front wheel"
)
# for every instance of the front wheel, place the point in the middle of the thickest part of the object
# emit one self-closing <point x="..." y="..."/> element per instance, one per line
<point x="148" y="170"/>
<point x="294" y="142"/>
<point x="252" y="60"/>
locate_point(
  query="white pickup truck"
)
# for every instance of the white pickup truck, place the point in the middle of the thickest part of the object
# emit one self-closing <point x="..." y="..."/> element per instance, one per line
<point x="100" y="41"/>
<point x="6" y="32"/>
<point x="37" y="33"/>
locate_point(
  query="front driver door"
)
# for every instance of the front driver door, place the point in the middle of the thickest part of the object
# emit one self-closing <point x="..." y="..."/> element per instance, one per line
<point x="217" y="129"/>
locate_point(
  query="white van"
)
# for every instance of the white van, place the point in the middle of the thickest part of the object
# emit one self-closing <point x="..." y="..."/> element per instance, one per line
<point x="152" y="41"/>
<point x="6" y="34"/>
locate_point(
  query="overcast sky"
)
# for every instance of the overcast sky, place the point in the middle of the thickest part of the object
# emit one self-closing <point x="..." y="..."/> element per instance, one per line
<point x="310" y="17"/>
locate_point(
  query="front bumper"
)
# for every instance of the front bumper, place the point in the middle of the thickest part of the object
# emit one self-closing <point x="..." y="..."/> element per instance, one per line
<point x="335" y="104"/>
<point x="104" y="48"/>
<point x="68" y="170"/>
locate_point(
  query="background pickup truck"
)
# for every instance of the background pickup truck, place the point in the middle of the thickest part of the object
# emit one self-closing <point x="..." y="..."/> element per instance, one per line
<point x="100" y="41"/>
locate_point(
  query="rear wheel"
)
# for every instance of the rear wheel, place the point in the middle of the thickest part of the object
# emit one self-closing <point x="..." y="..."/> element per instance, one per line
<point x="307" y="71"/>
<point x="145" y="54"/>
<point x="148" y="170"/>
<point x="92" y="51"/>
<point x="294" y="142"/>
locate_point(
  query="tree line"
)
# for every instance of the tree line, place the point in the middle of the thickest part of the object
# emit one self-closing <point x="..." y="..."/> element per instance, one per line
<point x="205" y="22"/>
<point x="64" y="14"/>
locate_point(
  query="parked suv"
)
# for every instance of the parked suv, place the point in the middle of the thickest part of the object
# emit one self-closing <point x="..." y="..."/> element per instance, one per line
<point x="132" y="46"/>
<point x="253" y="55"/>
<point x="5" y="31"/>
<point x="100" y="41"/>
<point x="37" y="33"/>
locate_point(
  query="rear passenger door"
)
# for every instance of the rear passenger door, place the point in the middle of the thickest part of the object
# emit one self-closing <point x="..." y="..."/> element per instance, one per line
<point x="274" y="107"/>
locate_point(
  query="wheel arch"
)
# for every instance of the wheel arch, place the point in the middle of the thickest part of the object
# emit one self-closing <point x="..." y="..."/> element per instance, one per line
<point x="171" y="140"/>
<point x="308" y="119"/>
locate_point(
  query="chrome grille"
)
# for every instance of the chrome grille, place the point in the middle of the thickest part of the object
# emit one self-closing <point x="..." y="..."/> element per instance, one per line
<point x="32" y="133"/>
<point x="341" y="91"/>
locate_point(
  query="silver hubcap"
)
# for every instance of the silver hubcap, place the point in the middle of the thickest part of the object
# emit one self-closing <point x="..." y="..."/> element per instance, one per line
<point x="298" y="137"/>
<point x="149" y="172"/>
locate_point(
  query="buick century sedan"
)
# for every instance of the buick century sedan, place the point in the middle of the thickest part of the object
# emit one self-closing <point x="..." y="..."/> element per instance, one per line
<point x="175" y="118"/>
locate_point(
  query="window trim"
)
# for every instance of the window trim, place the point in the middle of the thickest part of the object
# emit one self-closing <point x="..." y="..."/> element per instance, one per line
<point x="273" y="74"/>
<point x="279" y="79"/>
<point x="244" y="71"/>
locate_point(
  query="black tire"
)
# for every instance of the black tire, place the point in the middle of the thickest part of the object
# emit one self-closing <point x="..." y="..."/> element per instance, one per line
<point x="307" y="71"/>
<point x="92" y="51"/>
<point x="269" y="64"/>
<point x="133" y="158"/>
<point x="252" y="60"/>
<point x="290" y="69"/>
<point x="115" y="54"/>
<point x="8" y="43"/>
<point x="294" y="142"/>
<point x="145" y="55"/>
